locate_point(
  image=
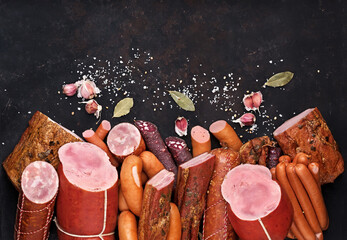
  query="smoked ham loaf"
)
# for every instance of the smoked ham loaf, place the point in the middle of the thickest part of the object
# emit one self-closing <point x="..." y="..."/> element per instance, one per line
<point x="309" y="133"/>
<point x="87" y="201"/>
<point x="40" y="142"/>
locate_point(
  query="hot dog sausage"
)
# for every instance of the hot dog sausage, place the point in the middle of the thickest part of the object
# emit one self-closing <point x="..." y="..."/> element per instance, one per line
<point x="314" y="193"/>
<point x="314" y="169"/>
<point x="127" y="226"/>
<point x="131" y="183"/>
<point x="302" y="158"/>
<point x="303" y="198"/>
<point x="175" y="223"/>
<point x="299" y="217"/>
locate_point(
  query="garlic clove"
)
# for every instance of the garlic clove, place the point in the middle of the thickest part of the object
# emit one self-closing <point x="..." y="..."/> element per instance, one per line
<point x="257" y="99"/>
<point x="247" y="119"/>
<point x="87" y="89"/>
<point x="247" y="101"/>
<point x="92" y="107"/>
<point x="181" y="126"/>
<point x="69" y="89"/>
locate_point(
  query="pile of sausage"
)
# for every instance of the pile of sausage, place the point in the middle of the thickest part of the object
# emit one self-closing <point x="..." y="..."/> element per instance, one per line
<point x="164" y="190"/>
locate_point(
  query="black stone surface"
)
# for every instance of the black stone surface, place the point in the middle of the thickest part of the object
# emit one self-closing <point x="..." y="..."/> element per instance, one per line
<point x="41" y="44"/>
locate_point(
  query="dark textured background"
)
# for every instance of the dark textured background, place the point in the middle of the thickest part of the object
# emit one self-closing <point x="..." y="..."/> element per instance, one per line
<point x="40" y="43"/>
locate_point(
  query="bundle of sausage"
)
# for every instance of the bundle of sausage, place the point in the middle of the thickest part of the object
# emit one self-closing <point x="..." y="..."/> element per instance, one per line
<point x="300" y="179"/>
<point x="40" y="142"/>
<point x="87" y="201"/>
<point x="36" y="201"/>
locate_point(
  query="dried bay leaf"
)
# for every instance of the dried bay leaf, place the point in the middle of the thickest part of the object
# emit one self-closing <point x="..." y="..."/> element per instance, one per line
<point x="182" y="100"/>
<point x="123" y="107"/>
<point x="279" y="79"/>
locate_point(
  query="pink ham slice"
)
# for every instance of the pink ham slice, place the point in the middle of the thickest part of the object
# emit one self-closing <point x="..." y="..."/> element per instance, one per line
<point x="125" y="139"/>
<point x="39" y="185"/>
<point x="87" y="202"/>
<point x="257" y="206"/>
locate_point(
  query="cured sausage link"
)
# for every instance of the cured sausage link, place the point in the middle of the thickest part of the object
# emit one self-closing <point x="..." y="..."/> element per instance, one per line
<point x="178" y="149"/>
<point x="36" y="201"/>
<point x="190" y="195"/>
<point x="154" y="220"/>
<point x="156" y="145"/>
<point x="216" y="224"/>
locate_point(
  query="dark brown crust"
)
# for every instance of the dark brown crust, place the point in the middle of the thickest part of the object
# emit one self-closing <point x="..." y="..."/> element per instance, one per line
<point x="255" y="151"/>
<point x="216" y="223"/>
<point x="154" y="221"/>
<point x="40" y="141"/>
<point x="190" y="196"/>
<point x="312" y="136"/>
<point x="33" y="220"/>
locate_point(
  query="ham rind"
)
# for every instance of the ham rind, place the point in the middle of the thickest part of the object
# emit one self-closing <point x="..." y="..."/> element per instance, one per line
<point x="125" y="139"/>
<point x="36" y="201"/>
<point x="154" y="219"/>
<point x="190" y="195"/>
<point x="179" y="150"/>
<point x="40" y="142"/>
<point x="156" y="145"/>
<point x="257" y="206"/>
<point x="216" y="224"/>
<point x="87" y="201"/>
<point x="308" y="132"/>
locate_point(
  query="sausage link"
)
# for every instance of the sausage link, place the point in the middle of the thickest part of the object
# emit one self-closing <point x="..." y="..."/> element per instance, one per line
<point x="302" y="158"/>
<point x="299" y="218"/>
<point x="127" y="226"/>
<point x="273" y="173"/>
<point x="130" y="178"/>
<point x="314" y="169"/>
<point x="314" y="193"/>
<point x="285" y="158"/>
<point x="175" y="230"/>
<point x="303" y="198"/>
<point x="297" y="234"/>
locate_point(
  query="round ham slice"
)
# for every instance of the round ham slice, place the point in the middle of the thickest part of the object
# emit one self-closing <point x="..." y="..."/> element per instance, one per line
<point x="125" y="139"/>
<point x="257" y="206"/>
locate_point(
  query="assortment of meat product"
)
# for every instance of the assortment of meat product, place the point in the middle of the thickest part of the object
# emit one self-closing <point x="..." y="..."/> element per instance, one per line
<point x="156" y="145"/>
<point x="36" y="201"/>
<point x="154" y="220"/>
<point x="87" y="201"/>
<point x="40" y="141"/>
<point x="309" y="133"/>
<point x="125" y="139"/>
<point x="192" y="184"/>
<point x="256" y="150"/>
<point x="178" y="149"/>
<point x="258" y="207"/>
<point x="257" y="202"/>
<point x="216" y="224"/>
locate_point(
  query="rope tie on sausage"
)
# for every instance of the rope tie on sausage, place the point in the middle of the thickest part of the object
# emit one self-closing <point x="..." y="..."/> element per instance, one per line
<point x="101" y="235"/>
<point x="44" y="227"/>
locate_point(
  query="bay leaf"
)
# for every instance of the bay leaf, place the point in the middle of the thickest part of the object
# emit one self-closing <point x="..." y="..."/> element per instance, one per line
<point x="280" y="79"/>
<point x="123" y="107"/>
<point x="182" y="100"/>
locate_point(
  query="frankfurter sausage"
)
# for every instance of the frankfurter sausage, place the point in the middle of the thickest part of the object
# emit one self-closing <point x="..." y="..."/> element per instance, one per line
<point x="302" y="158"/>
<point x="131" y="183"/>
<point x="303" y="198"/>
<point x="175" y="230"/>
<point x="122" y="204"/>
<point x="226" y="135"/>
<point x="297" y="234"/>
<point x="299" y="218"/>
<point x="201" y="140"/>
<point x="314" y="169"/>
<point x="314" y="194"/>
<point x="150" y="163"/>
<point x="127" y="226"/>
<point x="103" y="129"/>
<point x="273" y="173"/>
<point x="285" y="158"/>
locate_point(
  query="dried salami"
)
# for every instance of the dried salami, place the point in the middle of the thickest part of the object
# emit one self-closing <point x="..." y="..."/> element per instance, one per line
<point x="179" y="150"/>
